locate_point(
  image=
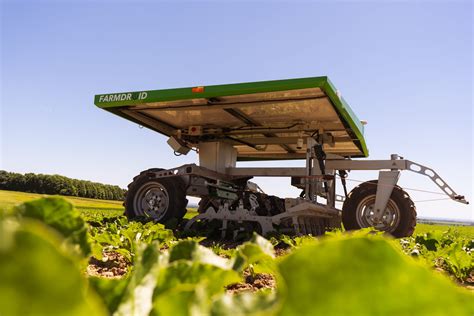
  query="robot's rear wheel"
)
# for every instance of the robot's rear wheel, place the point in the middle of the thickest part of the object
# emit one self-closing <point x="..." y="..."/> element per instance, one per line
<point x="160" y="199"/>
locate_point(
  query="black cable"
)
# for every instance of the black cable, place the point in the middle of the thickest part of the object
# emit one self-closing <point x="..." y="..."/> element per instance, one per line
<point x="343" y="175"/>
<point x="261" y="127"/>
<point x="321" y="156"/>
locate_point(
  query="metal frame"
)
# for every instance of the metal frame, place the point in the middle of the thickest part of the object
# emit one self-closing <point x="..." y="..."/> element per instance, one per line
<point x="305" y="213"/>
<point x="348" y="164"/>
<point x="387" y="179"/>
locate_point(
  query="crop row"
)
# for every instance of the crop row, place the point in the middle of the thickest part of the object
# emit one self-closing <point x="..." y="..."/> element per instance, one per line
<point x="46" y="248"/>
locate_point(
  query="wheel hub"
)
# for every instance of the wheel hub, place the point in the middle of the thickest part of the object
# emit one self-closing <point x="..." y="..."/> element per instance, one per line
<point x="366" y="215"/>
<point x="152" y="201"/>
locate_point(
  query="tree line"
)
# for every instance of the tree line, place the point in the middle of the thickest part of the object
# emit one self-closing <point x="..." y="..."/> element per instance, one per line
<point x="56" y="184"/>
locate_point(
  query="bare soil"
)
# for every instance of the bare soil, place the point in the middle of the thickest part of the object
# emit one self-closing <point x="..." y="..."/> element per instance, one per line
<point x="252" y="283"/>
<point x="113" y="265"/>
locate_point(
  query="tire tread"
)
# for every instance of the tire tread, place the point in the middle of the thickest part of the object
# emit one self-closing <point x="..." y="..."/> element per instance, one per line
<point x="407" y="223"/>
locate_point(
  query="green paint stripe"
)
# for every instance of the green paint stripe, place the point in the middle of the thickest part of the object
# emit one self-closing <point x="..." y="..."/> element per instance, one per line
<point x="348" y="115"/>
<point x="212" y="91"/>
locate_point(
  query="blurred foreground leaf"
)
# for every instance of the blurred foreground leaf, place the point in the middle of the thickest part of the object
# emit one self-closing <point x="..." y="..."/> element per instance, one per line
<point x="60" y="215"/>
<point x="111" y="291"/>
<point x="258" y="249"/>
<point x="37" y="278"/>
<point x="365" y="276"/>
<point x="194" y="276"/>
<point x="191" y="250"/>
<point x="258" y="303"/>
<point x="137" y="297"/>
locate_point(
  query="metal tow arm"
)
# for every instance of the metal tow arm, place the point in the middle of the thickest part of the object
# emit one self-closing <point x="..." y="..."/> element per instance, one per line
<point x="430" y="173"/>
<point x="388" y="179"/>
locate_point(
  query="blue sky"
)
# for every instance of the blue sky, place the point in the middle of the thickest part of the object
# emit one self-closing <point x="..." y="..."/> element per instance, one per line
<point x="404" y="67"/>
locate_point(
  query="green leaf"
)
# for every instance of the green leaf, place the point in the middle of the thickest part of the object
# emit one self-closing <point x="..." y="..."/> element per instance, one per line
<point x="193" y="277"/>
<point x="458" y="261"/>
<point x="182" y="300"/>
<point x="137" y="299"/>
<point x="59" y="214"/>
<point x="187" y="287"/>
<point x="258" y="249"/>
<point x="37" y="277"/>
<point x="110" y="290"/>
<point x="97" y="250"/>
<point x="192" y="273"/>
<point x="154" y="231"/>
<point x="191" y="250"/>
<point x="125" y="253"/>
<point x="258" y="303"/>
<point x="106" y="238"/>
<point x="365" y="276"/>
<point x="430" y="240"/>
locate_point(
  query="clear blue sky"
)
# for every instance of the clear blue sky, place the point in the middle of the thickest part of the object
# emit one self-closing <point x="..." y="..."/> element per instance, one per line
<point x="404" y="67"/>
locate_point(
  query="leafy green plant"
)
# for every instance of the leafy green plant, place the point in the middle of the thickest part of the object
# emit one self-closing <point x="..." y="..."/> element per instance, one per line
<point x="361" y="275"/>
<point x="39" y="276"/>
<point x="447" y="250"/>
<point x="122" y="236"/>
<point x="59" y="214"/>
<point x="257" y="250"/>
<point x="358" y="274"/>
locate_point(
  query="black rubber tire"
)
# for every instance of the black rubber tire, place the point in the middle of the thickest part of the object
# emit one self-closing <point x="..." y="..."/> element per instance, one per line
<point x="176" y="192"/>
<point x="407" y="222"/>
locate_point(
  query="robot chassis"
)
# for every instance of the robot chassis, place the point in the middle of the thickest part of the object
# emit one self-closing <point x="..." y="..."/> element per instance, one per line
<point x="236" y="204"/>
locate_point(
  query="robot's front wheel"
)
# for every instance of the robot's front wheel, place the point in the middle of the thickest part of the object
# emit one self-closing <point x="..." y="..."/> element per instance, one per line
<point x="399" y="218"/>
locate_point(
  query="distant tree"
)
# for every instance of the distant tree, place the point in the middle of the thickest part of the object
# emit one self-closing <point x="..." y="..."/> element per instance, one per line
<point x="57" y="184"/>
<point x="81" y="188"/>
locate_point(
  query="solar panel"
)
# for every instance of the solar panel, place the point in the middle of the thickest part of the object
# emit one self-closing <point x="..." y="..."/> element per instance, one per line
<point x="262" y="120"/>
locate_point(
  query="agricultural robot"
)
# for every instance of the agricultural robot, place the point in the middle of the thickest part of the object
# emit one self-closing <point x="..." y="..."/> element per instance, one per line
<point x="304" y="119"/>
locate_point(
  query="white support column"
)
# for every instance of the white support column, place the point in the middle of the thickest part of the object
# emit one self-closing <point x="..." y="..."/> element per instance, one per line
<point x="387" y="180"/>
<point x="217" y="156"/>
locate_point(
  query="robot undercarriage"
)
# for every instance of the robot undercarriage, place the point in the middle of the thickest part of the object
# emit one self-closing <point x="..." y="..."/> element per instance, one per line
<point x="229" y="198"/>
